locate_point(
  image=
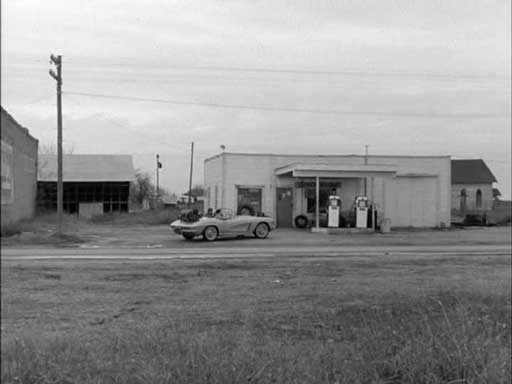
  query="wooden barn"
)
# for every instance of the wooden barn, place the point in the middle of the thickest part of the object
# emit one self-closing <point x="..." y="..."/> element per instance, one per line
<point x="93" y="184"/>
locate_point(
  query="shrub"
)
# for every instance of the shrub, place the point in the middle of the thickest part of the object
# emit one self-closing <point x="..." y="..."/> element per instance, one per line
<point x="10" y="229"/>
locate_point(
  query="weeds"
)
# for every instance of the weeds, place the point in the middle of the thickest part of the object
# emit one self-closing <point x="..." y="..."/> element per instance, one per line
<point x="11" y="229"/>
<point x="428" y="342"/>
<point x="151" y="217"/>
<point x="163" y="322"/>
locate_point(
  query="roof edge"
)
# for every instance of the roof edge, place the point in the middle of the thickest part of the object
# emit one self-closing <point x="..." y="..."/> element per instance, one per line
<point x="15" y="122"/>
<point x="326" y="155"/>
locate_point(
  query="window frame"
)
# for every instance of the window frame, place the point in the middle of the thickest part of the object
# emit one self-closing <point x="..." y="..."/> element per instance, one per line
<point x="478" y="198"/>
<point x="258" y="207"/>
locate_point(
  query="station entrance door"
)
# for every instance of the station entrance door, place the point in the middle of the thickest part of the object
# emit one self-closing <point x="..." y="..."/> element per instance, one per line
<point x="284" y="207"/>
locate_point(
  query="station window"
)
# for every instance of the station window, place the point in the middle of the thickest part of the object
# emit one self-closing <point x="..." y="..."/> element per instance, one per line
<point x="249" y="201"/>
<point x="311" y="199"/>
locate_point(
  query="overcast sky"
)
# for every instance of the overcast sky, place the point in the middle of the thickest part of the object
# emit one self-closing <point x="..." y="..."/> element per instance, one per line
<point x="405" y="77"/>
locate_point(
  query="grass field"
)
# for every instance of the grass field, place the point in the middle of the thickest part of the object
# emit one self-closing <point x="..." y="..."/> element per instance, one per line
<point x="292" y="320"/>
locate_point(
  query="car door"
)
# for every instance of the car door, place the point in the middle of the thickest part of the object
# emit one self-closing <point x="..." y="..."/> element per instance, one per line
<point x="238" y="225"/>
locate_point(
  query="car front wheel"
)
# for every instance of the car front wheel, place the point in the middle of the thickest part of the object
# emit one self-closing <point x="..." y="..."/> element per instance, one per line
<point x="262" y="230"/>
<point x="188" y="236"/>
<point x="210" y="233"/>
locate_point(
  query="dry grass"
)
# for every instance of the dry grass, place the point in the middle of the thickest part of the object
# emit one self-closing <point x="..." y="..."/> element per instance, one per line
<point x="350" y="320"/>
<point x="43" y="230"/>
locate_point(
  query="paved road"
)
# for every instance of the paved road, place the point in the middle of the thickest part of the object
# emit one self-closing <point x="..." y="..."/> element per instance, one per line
<point x="145" y="253"/>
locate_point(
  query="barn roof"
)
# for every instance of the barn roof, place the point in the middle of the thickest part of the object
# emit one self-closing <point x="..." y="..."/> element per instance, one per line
<point x="471" y="171"/>
<point x="84" y="168"/>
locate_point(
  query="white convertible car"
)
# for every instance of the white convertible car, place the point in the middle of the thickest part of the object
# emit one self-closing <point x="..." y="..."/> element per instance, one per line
<point x="224" y="224"/>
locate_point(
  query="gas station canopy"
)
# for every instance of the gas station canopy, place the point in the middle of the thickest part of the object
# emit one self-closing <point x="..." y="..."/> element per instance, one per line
<point x="336" y="170"/>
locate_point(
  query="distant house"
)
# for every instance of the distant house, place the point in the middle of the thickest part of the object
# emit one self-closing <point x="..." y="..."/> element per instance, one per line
<point x="472" y="187"/>
<point x="19" y="170"/>
<point x="93" y="184"/>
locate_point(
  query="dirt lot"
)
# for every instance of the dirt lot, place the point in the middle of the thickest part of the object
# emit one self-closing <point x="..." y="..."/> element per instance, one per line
<point x="285" y="320"/>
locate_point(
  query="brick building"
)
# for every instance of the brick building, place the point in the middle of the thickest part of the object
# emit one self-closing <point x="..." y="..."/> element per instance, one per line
<point x="19" y="170"/>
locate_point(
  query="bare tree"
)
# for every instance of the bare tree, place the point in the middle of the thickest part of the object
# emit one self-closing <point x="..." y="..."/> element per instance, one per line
<point x="197" y="190"/>
<point x="141" y="188"/>
<point x="50" y="149"/>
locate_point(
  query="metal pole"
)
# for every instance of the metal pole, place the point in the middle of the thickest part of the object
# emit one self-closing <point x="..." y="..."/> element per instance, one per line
<point x="191" y="169"/>
<point x="317" y="203"/>
<point x="157" y="178"/>
<point x="365" y="163"/>
<point x="373" y="204"/>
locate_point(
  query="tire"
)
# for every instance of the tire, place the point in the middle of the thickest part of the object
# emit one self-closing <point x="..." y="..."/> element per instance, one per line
<point x="188" y="236"/>
<point x="301" y="221"/>
<point x="210" y="233"/>
<point x="261" y="231"/>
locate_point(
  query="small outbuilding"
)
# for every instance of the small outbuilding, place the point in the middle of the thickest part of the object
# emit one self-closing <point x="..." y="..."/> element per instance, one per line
<point x="19" y="170"/>
<point x="472" y="187"/>
<point x="92" y="184"/>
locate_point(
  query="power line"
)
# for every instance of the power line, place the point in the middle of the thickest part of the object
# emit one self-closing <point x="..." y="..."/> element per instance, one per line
<point x="354" y="73"/>
<point x="296" y="71"/>
<point x="291" y="109"/>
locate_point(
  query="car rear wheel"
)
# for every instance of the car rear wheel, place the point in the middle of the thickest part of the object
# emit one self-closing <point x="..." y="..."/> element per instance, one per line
<point x="262" y="230"/>
<point x="210" y="233"/>
<point x="188" y="236"/>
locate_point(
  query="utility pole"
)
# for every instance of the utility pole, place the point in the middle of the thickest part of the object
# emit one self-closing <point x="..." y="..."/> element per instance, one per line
<point x="191" y="168"/>
<point x="366" y="154"/>
<point x="158" y="166"/>
<point x="57" y="61"/>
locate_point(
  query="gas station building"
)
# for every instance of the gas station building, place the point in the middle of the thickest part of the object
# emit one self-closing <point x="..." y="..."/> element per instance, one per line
<point x="406" y="191"/>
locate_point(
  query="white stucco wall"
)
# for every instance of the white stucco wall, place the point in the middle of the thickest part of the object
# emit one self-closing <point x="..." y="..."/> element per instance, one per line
<point x="257" y="170"/>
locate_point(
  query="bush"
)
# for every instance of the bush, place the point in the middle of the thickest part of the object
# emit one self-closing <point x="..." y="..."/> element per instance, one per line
<point x="10" y="229"/>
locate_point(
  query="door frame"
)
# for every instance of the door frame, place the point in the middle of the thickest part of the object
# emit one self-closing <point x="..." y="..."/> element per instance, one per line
<point x="291" y="189"/>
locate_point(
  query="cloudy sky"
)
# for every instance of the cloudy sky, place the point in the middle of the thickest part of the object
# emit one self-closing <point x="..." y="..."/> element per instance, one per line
<point x="404" y="77"/>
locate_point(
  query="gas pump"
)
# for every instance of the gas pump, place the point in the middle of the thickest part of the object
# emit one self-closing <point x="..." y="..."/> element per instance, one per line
<point x="362" y="212"/>
<point x="333" y="212"/>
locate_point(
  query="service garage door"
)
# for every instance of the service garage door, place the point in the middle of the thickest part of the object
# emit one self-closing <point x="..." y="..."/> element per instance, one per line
<point x="416" y="202"/>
